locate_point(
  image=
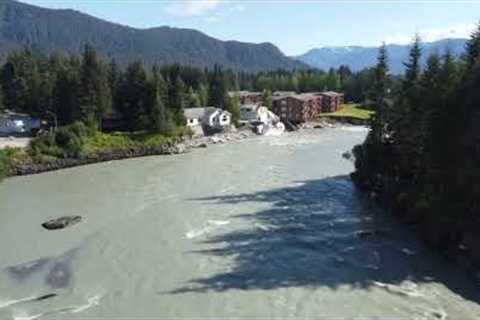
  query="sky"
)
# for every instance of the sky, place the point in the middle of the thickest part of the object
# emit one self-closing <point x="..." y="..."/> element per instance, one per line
<point x="295" y="26"/>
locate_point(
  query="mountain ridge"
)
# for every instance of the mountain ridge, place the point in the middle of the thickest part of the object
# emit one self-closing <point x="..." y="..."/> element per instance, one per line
<point x="360" y="57"/>
<point x="67" y="30"/>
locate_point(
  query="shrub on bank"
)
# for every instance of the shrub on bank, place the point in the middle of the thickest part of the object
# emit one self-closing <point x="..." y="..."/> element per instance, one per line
<point x="67" y="141"/>
<point x="6" y="159"/>
<point x="78" y="140"/>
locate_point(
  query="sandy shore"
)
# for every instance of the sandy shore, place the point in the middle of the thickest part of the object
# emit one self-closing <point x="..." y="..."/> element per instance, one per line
<point x="14" y="142"/>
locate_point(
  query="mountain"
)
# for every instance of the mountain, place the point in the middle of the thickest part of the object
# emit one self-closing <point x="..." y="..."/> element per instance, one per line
<point x="48" y="30"/>
<point x="358" y="58"/>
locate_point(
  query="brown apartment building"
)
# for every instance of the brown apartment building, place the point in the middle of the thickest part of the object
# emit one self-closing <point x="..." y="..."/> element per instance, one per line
<point x="248" y="97"/>
<point x="297" y="108"/>
<point x="304" y="107"/>
<point x="332" y="101"/>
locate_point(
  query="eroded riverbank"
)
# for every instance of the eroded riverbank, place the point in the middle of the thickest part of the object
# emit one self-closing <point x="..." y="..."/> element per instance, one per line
<point x="268" y="227"/>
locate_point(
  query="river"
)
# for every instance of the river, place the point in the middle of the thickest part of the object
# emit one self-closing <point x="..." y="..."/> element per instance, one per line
<point x="269" y="227"/>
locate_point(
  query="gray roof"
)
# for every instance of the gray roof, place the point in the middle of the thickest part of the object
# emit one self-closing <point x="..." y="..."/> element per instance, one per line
<point x="197" y="113"/>
<point x="331" y="94"/>
<point x="12" y="114"/>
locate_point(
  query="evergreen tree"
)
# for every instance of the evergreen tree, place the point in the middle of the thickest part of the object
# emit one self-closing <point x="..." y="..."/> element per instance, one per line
<point x="1" y="99"/>
<point x="157" y="116"/>
<point x="203" y="95"/>
<point x="95" y="96"/>
<point x="218" y="88"/>
<point x="177" y="100"/>
<point x="473" y="48"/>
<point x="65" y="96"/>
<point x="233" y="106"/>
<point x="267" y="99"/>
<point x="413" y="71"/>
<point x="379" y="95"/>
<point x="131" y="97"/>
<point x="193" y="100"/>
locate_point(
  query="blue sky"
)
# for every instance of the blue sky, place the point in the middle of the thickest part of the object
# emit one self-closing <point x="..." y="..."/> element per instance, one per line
<point x="294" y="26"/>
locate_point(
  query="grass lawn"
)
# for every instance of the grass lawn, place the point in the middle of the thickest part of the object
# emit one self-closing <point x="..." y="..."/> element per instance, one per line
<point x="350" y="111"/>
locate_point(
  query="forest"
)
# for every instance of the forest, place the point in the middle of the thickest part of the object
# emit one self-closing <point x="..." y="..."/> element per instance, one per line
<point x="422" y="153"/>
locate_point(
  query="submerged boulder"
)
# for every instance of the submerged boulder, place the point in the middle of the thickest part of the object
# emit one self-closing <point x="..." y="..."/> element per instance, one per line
<point x="347" y="155"/>
<point x="62" y="222"/>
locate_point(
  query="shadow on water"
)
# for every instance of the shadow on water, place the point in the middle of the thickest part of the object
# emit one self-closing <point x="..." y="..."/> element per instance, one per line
<point x="57" y="271"/>
<point x="321" y="233"/>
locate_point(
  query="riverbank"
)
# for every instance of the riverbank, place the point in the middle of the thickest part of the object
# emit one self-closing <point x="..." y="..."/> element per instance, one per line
<point x="24" y="165"/>
<point x="457" y="241"/>
<point x="20" y="163"/>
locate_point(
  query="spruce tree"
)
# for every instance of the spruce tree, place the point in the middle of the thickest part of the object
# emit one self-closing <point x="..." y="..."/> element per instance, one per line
<point x="379" y="95"/>
<point x="132" y="95"/>
<point x="193" y="100"/>
<point x="1" y="99"/>
<point x="177" y="100"/>
<point x="267" y="99"/>
<point x="218" y="88"/>
<point x="233" y="106"/>
<point x="95" y="96"/>
<point x="473" y="48"/>
<point x="203" y="94"/>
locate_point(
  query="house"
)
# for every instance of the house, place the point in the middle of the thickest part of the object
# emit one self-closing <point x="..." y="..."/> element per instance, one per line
<point x="218" y="118"/>
<point x="18" y="123"/>
<point x="253" y="112"/>
<point x="332" y="101"/>
<point x="210" y="116"/>
<point x="194" y="116"/>
<point x="298" y="108"/>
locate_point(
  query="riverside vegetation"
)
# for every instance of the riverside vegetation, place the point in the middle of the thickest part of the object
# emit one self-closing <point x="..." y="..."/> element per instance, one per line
<point x="422" y="153"/>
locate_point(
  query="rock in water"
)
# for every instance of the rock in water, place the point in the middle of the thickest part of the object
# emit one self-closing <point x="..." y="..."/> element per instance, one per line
<point x="347" y="155"/>
<point x="61" y="222"/>
<point x="45" y="297"/>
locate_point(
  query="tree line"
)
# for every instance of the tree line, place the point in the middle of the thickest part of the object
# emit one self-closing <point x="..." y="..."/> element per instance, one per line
<point x="88" y="88"/>
<point x="422" y="153"/>
<point x="66" y="89"/>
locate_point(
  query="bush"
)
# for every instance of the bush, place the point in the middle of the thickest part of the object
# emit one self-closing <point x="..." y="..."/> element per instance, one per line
<point x="67" y="141"/>
<point x="5" y="161"/>
<point x="44" y="145"/>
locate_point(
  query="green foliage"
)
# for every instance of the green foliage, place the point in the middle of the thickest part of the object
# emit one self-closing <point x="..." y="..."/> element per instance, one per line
<point x="6" y="156"/>
<point x="351" y="111"/>
<point x="95" y="96"/>
<point x="422" y="152"/>
<point x="67" y="141"/>
<point x="267" y="99"/>
<point x="218" y="88"/>
<point x="233" y="106"/>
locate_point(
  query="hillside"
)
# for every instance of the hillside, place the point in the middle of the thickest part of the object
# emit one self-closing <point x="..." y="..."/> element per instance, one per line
<point x="48" y="30"/>
<point x="358" y="58"/>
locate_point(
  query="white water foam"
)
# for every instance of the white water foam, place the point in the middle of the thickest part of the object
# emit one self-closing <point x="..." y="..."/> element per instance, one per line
<point x="408" y="289"/>
<point x="355" y="129"/>
<point x="210" y="226"/>
<point x="91" y="302"/>
<point x="4" y="304"/>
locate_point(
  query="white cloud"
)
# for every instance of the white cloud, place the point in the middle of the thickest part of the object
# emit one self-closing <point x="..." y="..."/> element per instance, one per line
<point x="191" y="8"/>
<point x="459" y="30"/>
<point x="225" y="13"/>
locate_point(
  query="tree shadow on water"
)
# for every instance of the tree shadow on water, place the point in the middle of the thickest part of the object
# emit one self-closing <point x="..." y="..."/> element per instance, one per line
<point x="321" y="233"/>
